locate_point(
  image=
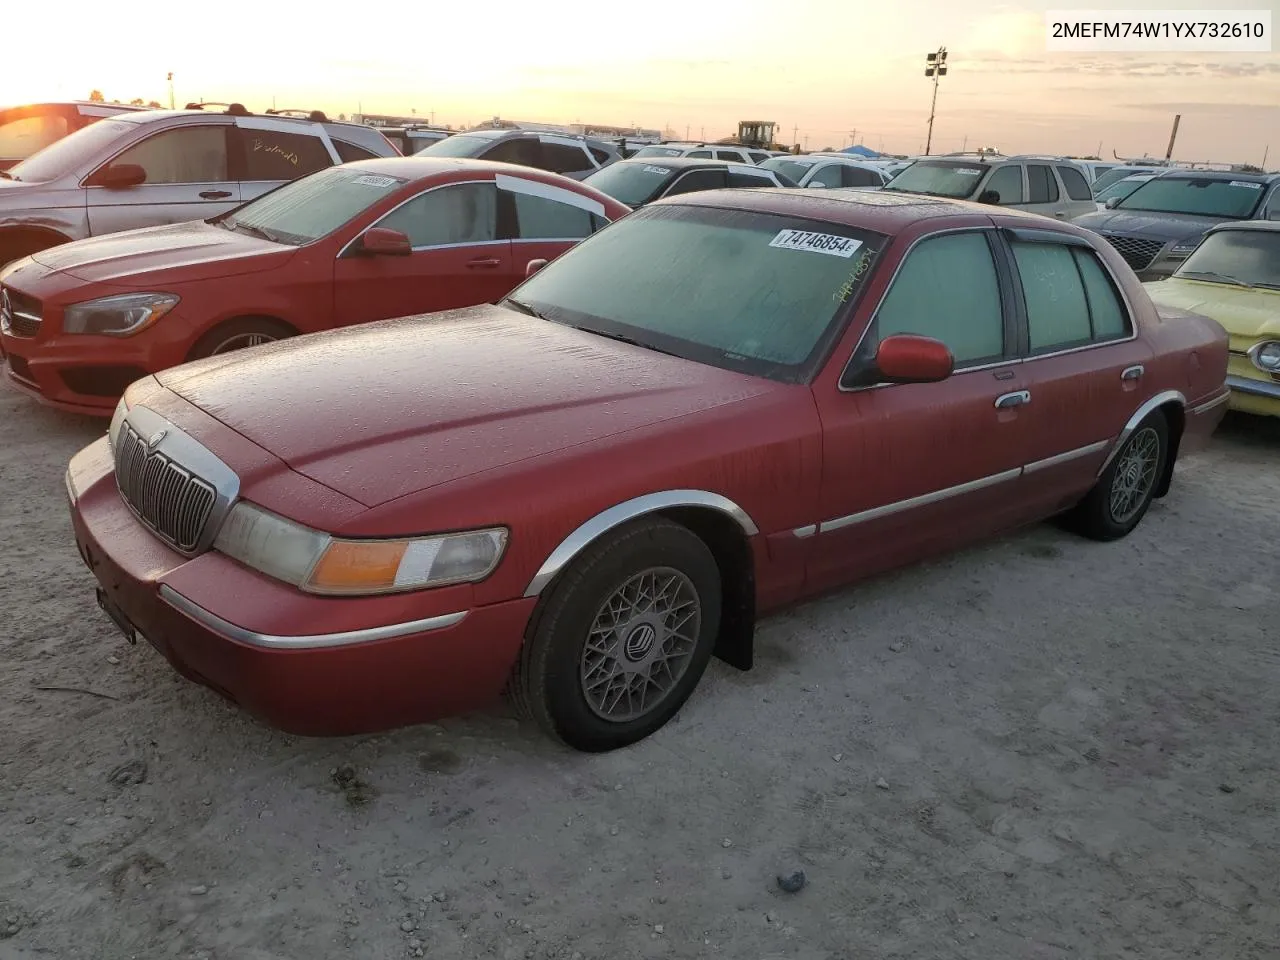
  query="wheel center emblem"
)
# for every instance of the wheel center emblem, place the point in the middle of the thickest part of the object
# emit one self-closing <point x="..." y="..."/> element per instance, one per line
<point x="640" y="641"/>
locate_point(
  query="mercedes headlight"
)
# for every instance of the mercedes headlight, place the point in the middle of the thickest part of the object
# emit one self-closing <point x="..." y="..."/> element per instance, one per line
<point x="1266" y="356"/>
<point x="121" y="315"/>
<point x="320" y="563"/>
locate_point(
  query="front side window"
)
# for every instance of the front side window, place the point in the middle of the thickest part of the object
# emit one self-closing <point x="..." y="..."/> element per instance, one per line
<point x="311" y="207"/>
<point x="1069" y="298"/>
<point x="632" y="182"/>
<point x="459" y="145"/>
<point x="828" y="175"/>
<point x="733" y="156"/>
<point x="696" y="180"/>
<point x="185" y="155"/>
<point x="758" y="293"/>
<point x="1074" y="181"/>
<point x="460" y="213"/>
<point x="276" y="155"/>
<point x="1240" y="256"/>
<point x="541" y="219"/>
<point x="22" y="137"/>
<point x="956" y="180"/>
<point x="1007" y="183"/>
<point x="1041" y="184"/>
<point x="947" y="289"/>
<point x="757" y="157"/>
<point x="562" y="158"/>
<point x="796" y="169"/>
<point x="1210" y="197"/>
<point x="524" y="151"/>
<point x="860" y="177"/>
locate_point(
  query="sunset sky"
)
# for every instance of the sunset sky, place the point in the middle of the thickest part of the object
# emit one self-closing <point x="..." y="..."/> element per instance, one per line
<point x="827" y="67"/>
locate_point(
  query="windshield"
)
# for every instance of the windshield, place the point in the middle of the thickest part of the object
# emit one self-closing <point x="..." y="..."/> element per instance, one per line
<point x="746" y="291"/>
<point x="657" y="152"/>
<point x="1230" y="199"/>
<point x="23" y="136"/>
<point x="1116" y="174"/>
<point x="71" y="152"/>
<point x="793" y="168"/>
<point x="1122" y="188"/>
<point x="958" y="180"/>
<point x="313" y="206"/>
<point x="459" y="145"/>
<point x="1247" y="256"/>
<point x="632" y="182"/>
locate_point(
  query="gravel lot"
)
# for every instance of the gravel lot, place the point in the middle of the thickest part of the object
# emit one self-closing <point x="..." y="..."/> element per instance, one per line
<point x="1039" y="748"/>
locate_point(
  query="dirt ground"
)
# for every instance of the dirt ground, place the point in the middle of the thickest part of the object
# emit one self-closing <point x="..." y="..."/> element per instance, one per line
<point x="1040" y="748"/>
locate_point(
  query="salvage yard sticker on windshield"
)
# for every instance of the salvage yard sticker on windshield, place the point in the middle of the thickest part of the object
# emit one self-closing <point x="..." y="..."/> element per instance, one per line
<point x="1246" y="183"/>
<point x="373" y="180"/>
<point x="660" y="171"/>
<point x="816" y="242"/>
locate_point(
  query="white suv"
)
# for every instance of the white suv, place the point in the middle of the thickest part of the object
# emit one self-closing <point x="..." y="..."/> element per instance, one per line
<point x="704" y="151"/>
<point x="1051" y="186"/>
<point x="165" y="166"/>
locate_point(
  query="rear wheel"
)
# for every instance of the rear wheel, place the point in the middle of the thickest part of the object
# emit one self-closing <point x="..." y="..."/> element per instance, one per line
<point x="1120" y="498"/>
<point x="238" y="334"/>
<point x="623" y="638"/>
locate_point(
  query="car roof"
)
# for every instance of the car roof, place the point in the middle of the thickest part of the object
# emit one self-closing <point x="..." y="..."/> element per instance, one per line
<point x="684" y="163"/>
<point x="1256" y="226"/>
<point x="883" y="211"/>
<point x="422" y="165"/>
<point x="1178" y="174"/>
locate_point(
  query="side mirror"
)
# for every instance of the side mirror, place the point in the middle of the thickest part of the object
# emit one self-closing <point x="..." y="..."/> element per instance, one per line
<point x="907" y="358"/>
<point x="989" y="196"/>
<point x="383" y="241"/>
<point x="120" y="176"/>
<point x="533" y="266"/>
<point x="1112" y="203"/>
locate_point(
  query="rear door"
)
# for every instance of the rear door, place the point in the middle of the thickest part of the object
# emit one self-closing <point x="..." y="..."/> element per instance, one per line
<point x="268" y="152"/>
<point x="459" y="258"/>
<point x="188" y="178"/>
<point x="1084" y="367"/>
<point x="1043" y="195"/>
<point x="1079" y="199"/>
<point x="546" y="221"/>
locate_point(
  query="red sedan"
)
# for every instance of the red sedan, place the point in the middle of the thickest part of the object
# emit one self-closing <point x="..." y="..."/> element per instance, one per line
<point x="354" y="243"/>
<point x="723" y="403"/>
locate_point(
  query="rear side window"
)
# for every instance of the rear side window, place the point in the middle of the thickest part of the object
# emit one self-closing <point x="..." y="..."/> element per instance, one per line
<point x="1107" y="312"/>
<point x="749" y="180"/>
<point x="185" y="155"/>
<point x="522" y="150"/>
<point x="758" y="157"/>
<point x="696" y="180"/>
<point x="1057" y="310"/>
<point x="561" y="158"/>
<point x="1073" y="180"/>
<point x="602" y="156"/>
<point x="734" y="156"/>
<point x="457" y="214"/>
<point x="541" y="219"/>
<point x="275" y="155"/>
<point x="349" y="151"/>
<point x="699" y="154"/>
<point x="947" y="289"/>
<point x="858" y="177"/>
<point x="1007" y="182"/>
<point x="1040" y="181"/>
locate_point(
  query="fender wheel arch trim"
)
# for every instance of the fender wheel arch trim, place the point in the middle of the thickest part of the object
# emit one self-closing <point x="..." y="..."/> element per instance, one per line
<point x="1155" y="402"/>
<point x="588" y="532"/>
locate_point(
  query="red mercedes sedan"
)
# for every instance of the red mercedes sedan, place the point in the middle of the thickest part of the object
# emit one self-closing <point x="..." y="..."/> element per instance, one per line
<point x="354" y="243"/>
<point x="723" y="403"/>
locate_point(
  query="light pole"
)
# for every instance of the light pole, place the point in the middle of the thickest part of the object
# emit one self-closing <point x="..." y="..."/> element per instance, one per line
<point x="170" y="89"/>
<point x="935" y="66"/>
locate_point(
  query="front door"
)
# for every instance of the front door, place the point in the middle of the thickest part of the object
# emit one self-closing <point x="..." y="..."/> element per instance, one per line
<point x="547" y="219"/>
<point x="187" y="179"/>
<point x="458" y="258"/>
<point x="913" y="469"/>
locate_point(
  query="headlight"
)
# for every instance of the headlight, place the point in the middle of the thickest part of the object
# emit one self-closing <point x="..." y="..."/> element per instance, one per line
<point x="1266" y="356"/>
<point x="319" y="563"/>
<point x="121" y="315"/>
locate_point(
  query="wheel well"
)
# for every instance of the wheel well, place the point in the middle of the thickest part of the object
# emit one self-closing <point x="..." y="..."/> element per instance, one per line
<point x="1176" y="418"/>
<point x="20" y="237"/>
<point x="193" y="352"/>
<point x="732" y="551"/>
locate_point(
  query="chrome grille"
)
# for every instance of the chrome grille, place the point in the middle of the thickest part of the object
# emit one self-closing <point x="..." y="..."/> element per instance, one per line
<point x="171" y="500"/>
<point x="20" y="314"/>
<point x="1138" y="252"/>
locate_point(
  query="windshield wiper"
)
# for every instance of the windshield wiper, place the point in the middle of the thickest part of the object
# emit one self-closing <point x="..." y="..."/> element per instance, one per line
<point x="623" y="338"/>
<point x="250" y="229"/>
<point x="1214" y="275"/>
<point x="522" y="307"/>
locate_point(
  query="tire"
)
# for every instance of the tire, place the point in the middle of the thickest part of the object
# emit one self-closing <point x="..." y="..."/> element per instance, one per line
<point x="237" y="334"/>
<point x="1107" y="513"/>
<point x="574" y="693"/>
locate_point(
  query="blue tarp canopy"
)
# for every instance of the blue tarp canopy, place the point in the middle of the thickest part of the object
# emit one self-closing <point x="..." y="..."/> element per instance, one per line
<point x="858" y="150"/>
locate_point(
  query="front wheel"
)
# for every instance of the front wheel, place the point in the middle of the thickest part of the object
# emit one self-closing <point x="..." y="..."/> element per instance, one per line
<point x="238" y="334"/>
<point x="1126" y="488"/>
<point x="623" y="638"/>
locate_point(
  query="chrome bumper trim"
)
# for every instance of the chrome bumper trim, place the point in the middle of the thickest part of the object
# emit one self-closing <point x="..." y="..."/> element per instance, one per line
<point x="312" y="642"/>
<point x="1257" y="388"/>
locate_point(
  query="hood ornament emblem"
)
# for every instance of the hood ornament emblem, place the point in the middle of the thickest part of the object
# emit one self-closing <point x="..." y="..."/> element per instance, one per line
<point x="156" y="438"/>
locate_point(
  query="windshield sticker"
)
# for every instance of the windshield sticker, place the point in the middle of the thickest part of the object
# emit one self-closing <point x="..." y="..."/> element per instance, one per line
<point x="827" y="243"/>
<point x="373" y="180"/>
<point x="971" y="171"/>
<point x="1246" y="183"/>
<point x="660" y="171"/>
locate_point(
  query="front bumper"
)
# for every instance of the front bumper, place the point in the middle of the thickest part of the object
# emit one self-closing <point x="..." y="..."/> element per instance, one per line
<point x="310" y="680"/>
<point x="1255" y="395"/>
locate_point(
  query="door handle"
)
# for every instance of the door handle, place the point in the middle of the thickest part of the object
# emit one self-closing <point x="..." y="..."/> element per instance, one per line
<point x="1133" y="373"/>
<point x="1015" y="399"/>
<point x="484" y="263"/>
<point x="214" y="194"/>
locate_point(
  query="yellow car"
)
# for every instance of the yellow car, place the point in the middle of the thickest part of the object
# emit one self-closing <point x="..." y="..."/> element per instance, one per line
<point x="1234" y="277"/>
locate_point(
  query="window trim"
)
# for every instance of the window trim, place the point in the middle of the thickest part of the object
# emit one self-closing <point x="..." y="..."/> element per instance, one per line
<point x="344" y="252"/>
<point x="552" y="194"/>
<point x="225" y="125"/>
<point x="1004" y="283"/>
<point x="1053" y="181"/>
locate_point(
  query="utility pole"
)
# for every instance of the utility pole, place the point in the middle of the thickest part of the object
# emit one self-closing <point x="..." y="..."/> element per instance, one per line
<point x="795" y="132"/>
<point x="965" y="143"/>
<point x="170" y="89"/>
<point x="702" y="133"/>
<point x="1264" y="156"/>
<point x="935" y="67"/>
<point x="1173" y="136"/>
<point x="1098" y="153"/>
<point x="806" y="141"/>
<point x="686" y="132"/>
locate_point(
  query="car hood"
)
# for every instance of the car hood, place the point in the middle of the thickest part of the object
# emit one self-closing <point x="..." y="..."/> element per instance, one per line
<point x="1242" y="312"/>
<point x="385" y="409"/>
<point x="1156" y="226"/>
<point x="181" y="251"/>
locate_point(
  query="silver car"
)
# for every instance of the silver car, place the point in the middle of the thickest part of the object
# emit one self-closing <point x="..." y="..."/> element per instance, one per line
<point x="565" y="154"/>
<point x="165" y="166"/>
